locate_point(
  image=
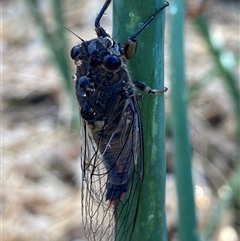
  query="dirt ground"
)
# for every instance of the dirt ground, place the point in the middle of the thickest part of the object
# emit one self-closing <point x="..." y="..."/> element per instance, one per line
<point x="40" y="170"/>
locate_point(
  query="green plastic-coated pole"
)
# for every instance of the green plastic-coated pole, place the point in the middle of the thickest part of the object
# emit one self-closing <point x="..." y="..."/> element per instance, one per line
<point x="147" y="66"/>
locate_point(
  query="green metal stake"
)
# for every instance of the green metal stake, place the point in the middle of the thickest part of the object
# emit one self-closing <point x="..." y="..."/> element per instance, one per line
<point x="147" y="66"/>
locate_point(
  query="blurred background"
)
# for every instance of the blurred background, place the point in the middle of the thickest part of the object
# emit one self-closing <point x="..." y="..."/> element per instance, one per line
<point x="41" y="173"/>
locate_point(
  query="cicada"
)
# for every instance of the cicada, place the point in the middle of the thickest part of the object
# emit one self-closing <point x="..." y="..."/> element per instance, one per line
<point x="111" y="132"/>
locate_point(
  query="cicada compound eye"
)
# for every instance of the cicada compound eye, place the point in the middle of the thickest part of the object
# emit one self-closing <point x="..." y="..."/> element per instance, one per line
<point x="112" y="62"/>
<point x="75" y="52"/>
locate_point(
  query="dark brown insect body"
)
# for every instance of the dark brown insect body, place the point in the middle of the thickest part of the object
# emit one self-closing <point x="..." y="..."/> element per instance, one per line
<point x="111" y="151"/>
<point x="108" y="108"/>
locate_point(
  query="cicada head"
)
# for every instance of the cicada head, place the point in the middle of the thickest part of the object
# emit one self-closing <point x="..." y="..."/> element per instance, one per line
<point x="99" y="51"/>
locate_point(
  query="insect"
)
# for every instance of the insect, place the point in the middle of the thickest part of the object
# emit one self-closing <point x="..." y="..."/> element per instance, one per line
<point x="112" y="144"/>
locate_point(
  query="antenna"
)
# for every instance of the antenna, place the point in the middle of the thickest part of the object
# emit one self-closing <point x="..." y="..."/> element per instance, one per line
<point x="74" y="34"/>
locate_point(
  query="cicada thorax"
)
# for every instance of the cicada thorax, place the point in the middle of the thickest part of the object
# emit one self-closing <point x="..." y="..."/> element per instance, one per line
<point x="107" y="106"/>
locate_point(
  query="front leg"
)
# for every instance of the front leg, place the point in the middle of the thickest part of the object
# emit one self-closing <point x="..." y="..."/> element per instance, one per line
<point x="98" y="28"/>
<point x="143" y="87"/>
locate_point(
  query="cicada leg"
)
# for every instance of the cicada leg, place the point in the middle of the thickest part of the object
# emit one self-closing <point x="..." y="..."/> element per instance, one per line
<point x="131" y="43"/>
<point x="98" y="28"/>
<point x="143" y="87"/>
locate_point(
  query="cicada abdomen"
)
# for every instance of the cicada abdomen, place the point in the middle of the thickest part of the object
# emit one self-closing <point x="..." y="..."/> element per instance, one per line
<point x="112" y="146"/>
<point x="108" y="172"/>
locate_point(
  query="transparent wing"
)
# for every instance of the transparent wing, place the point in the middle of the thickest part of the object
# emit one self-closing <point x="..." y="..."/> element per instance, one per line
<point x="111" y="158"/>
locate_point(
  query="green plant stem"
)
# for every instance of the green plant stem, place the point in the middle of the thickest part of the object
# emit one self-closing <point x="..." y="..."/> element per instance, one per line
<point x="221" y="65"/>
<point x="57" y="45"/>
<point x="187" y="224"/>
<point x="232" y="190"/>
<point x="147" y="66"/>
